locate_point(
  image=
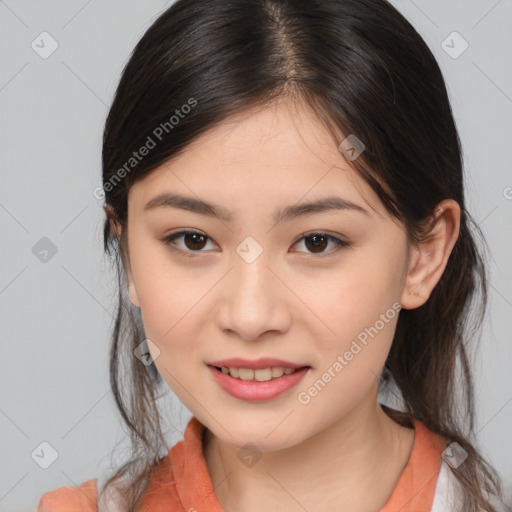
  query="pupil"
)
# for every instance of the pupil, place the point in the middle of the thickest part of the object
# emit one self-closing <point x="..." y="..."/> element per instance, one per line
<point x="190" y="236"/>
<point x="316" y="241"/>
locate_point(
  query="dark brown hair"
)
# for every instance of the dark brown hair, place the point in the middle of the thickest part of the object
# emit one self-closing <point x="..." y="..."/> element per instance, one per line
<point x="364" y="70"/>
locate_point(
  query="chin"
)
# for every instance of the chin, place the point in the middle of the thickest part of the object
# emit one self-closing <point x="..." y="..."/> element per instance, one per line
<point x="258" y="439"/>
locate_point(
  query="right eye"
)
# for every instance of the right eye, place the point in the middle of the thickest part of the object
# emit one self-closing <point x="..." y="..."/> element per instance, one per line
<point x="193" y="241"/>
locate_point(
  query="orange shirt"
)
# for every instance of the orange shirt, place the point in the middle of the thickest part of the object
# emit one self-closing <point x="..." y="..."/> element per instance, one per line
<point x="181" y="481"/>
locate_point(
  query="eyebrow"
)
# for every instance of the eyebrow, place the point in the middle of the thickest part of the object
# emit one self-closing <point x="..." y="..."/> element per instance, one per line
<point x="192" y="204"/>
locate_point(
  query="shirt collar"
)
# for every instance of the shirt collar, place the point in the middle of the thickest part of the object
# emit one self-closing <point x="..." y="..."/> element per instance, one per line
<point x="414" y="491"/>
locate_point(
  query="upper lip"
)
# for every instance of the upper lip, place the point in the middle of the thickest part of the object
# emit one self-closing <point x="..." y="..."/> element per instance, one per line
<point x="264" y="362"/>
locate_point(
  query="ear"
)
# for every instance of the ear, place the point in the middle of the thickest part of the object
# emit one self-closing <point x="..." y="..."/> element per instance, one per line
<point x="428" y="259"/>
<point x="116" y="229"/>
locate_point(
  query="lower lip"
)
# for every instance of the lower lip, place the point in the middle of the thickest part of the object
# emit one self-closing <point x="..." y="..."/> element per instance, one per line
<point x="255" y="391"/>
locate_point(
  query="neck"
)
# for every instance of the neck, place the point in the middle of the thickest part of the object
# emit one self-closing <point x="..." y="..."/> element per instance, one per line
<point x="353" y="465"/>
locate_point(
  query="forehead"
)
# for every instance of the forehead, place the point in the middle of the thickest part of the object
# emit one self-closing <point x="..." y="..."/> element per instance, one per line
<point x="279" y="154"/>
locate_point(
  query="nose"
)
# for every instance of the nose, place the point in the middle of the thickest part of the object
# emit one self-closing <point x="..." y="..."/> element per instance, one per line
<point x="253" y="301"/>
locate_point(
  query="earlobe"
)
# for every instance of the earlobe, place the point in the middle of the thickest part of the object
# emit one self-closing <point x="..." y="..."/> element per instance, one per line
<point x="429" y="258"/>
<point x="412" y="296"/>
<point x="132" y="292"/>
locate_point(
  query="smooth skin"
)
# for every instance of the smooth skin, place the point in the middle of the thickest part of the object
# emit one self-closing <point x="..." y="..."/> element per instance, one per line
<point x="340" y="451"/>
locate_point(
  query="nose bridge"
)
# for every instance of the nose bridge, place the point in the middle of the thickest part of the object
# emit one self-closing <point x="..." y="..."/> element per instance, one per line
<point x="252" y="279"/>
<point x="251" y="303"/>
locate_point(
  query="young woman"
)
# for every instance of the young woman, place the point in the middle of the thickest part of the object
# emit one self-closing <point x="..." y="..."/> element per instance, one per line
<point x="284" y="199"/>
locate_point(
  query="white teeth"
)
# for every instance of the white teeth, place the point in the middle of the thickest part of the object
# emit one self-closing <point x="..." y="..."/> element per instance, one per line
<point x="277" y="371"/>
<point x="260" y="375"/>
<point x="245" y="373"/>
<point x="263" y="374"/>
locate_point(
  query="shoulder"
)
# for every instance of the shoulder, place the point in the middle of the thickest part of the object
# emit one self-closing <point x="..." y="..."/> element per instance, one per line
<point x="70" y="498"/>
<point x="177" y="481"/>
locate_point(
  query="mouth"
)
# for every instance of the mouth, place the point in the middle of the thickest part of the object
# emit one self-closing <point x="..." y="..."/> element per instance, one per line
<point x="257" y="384"/>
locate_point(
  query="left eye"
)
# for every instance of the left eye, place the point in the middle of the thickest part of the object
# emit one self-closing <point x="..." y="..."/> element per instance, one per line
<point x="318" y="241"/>
<point x="194" y="241"/>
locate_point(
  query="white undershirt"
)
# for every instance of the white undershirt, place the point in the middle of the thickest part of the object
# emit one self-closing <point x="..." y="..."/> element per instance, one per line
<point x="447" y="497"/>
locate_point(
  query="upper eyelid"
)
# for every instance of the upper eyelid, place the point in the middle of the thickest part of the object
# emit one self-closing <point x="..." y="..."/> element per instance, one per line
<point x="303" y="235"/>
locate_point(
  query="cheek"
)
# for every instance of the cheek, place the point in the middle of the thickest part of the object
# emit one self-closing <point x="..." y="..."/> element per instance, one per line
<point x="355" y="298"/>
<point x="360" y="305"/>
<point x="169" y="307"/>
<point x="169" y="313"/>
<point x="361" y="310"/>
<point x="167" y="294"/>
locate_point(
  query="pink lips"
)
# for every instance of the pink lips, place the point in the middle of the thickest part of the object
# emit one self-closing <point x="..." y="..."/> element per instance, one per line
<point x="255" y="391"/>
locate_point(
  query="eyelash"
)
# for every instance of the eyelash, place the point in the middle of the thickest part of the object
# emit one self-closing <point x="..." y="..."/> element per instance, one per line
<point x="340" y="243"/>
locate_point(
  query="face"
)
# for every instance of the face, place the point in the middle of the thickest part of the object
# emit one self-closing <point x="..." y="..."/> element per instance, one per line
<point x="319" y="289"/>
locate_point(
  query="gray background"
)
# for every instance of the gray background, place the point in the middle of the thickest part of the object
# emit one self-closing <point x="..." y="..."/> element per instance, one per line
<point x="56" y="314"/>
